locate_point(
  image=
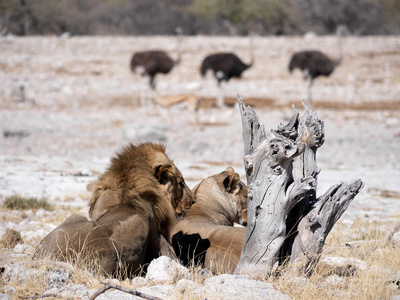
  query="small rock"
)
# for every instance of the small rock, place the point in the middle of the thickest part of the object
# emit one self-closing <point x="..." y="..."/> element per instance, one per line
<point x="112" y="281"/>
<point x="27" y="275"/>
<point x="113" y="295"/>
<point x="19" y="249"/>
<point x="139" y="281"/>
<point x="228" y="286"/>
<point x="161" y="291"/>
<point x="40" y="212"/>
<point x="58" y="278"/>
<point x="340" y="266"/>
<point x="166" y="270"/>
<point x="184" y="286"/>
<point x="334" y="280"/>
<point x="23" y="248"/>
<point x="203" y="274"/>
<point x="11" y="271"/>
<point x="300" y="281"/>
<point x="9" y="290"/>
<point x="68" y="291"/>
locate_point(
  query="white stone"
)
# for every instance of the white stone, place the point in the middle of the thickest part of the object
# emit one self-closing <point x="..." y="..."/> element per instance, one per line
<point x="139" y="281"/>
<point x="341" y="266"/>
<point x="228" y="286"/>
<point x="334" y="280"/>
<point x="166" y="270"/>
<point x="20" y="248"/>
<point x="185" y="286"/>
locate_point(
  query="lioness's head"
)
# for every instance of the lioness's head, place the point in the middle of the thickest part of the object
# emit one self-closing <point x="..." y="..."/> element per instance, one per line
<point x="143" y="177"/>
<point x="226" y="187"/>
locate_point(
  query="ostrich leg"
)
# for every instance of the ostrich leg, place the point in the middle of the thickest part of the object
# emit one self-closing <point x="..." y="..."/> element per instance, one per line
<point x="143" y="94"/>
<point x="221" y="95"/>
<point x="309" y="87"/>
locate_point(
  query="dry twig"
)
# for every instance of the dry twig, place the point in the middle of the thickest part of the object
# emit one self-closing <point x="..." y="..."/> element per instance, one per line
<point x="123" y="289"/>
<point x="43" y="296"/>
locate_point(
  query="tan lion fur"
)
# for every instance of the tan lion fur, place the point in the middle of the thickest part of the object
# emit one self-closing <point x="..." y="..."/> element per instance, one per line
<point x="133" y="207"/>
<point x="221" y="202"/>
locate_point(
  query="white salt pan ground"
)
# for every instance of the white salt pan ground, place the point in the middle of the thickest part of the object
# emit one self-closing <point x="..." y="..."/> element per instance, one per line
<point x="79" y="105"/>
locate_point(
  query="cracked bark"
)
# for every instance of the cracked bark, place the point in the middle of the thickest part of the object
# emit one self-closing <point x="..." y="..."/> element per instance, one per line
<point x="287" y="225"/>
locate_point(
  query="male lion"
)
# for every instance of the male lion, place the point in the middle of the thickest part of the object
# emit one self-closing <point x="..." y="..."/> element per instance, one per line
<point x="132" y="209"/>
<point x="207" y="236"/>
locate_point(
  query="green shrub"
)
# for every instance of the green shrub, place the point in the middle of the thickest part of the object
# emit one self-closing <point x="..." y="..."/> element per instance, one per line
<point x="21" y="203"/>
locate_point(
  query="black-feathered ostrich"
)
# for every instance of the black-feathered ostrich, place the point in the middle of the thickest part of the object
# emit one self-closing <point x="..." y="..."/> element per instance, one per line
<point x="151" y="62"/>
<point x="225" y="66"/>
<point x="314" y="63"/>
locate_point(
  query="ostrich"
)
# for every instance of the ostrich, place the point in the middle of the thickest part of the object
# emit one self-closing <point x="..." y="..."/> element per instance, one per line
<point x="225" y="65"/>
<point x="151" y="62"/>
<point x="314" y="63"/>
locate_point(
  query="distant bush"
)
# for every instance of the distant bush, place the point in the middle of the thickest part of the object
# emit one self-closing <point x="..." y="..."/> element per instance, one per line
<point x="21" y="203"/>
<point x="213" y="17"/>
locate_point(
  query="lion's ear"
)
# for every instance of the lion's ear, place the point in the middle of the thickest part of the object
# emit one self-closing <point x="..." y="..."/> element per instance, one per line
<point x="162" y="173"/>
<point x="232" y="183"/>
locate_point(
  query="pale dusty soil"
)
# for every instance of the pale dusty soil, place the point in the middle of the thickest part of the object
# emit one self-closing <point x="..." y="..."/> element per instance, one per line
<point x="81" y="105"/>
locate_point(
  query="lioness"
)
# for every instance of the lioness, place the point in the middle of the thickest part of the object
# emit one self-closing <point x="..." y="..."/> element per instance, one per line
<point x="207" y="235"/>
<point x="133" y="206"/>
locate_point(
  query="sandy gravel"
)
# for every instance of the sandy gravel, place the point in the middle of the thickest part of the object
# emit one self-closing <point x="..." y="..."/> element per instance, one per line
<point x="67" y="105"/>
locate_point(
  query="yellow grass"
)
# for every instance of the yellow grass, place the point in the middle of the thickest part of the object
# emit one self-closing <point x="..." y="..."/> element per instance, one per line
<point x="383" y="260"/>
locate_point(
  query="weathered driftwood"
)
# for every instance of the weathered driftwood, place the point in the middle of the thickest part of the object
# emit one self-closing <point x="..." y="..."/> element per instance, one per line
<point x="287" y="225"/>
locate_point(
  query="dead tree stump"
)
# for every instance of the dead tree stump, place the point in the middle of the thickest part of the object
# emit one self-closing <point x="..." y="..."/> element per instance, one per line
<point x="287" y="225"/>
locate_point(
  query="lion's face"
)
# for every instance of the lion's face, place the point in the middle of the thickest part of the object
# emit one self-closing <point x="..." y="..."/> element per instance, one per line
<point x="175" y="188"/>
<point x="226" y="187"/>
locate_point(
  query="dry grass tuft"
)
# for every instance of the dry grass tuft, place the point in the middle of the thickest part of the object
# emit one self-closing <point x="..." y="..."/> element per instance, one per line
<point x="23" y="203"/>
<point x="10" y="239"/>
<point x="31" y="278"/>
<point x="365" y="242"/>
